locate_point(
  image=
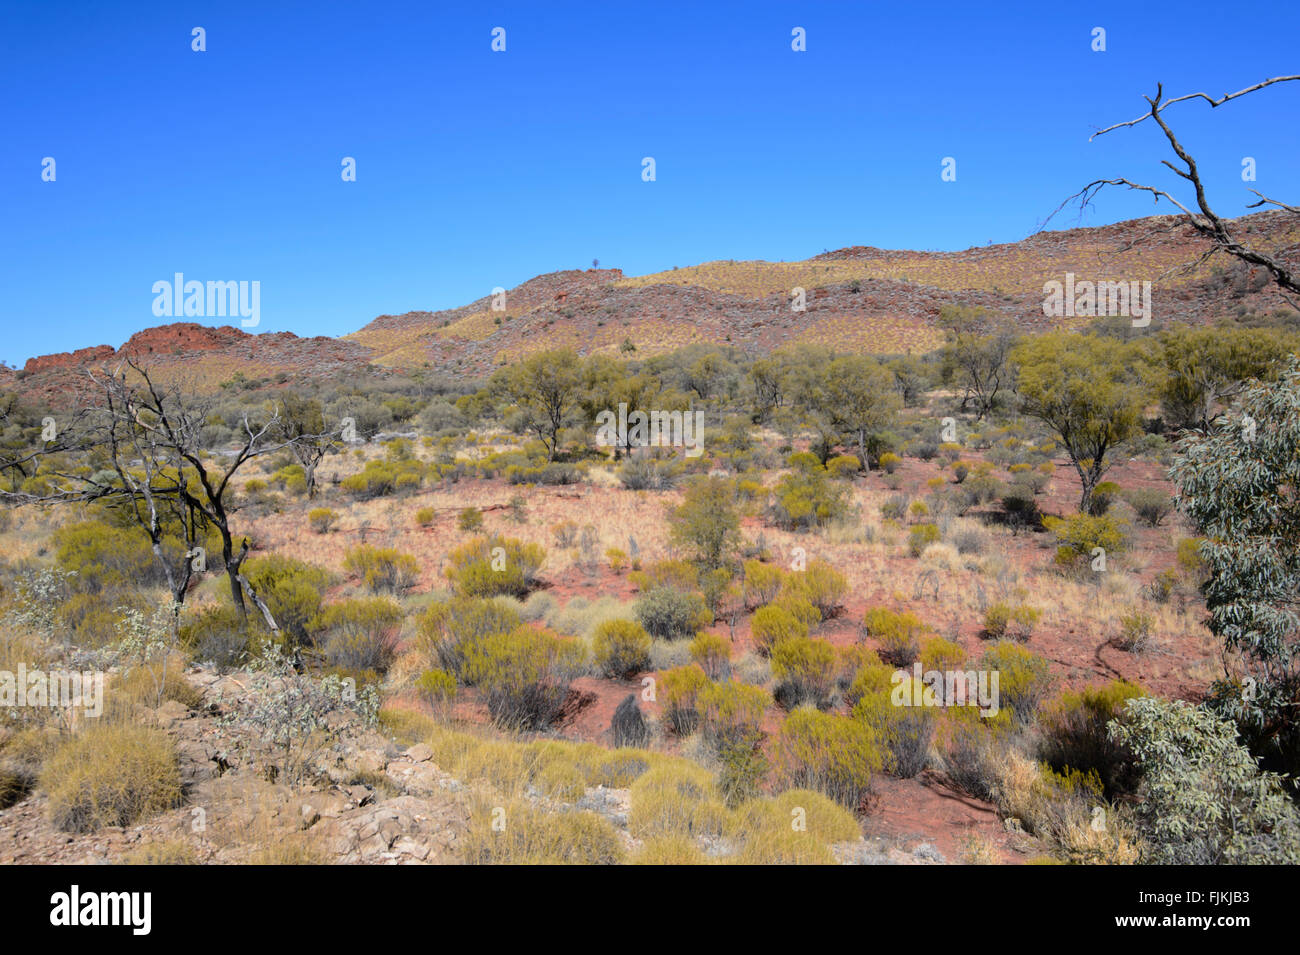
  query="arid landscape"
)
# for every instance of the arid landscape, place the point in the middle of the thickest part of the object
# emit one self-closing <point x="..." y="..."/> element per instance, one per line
<point x="925" y="584"/>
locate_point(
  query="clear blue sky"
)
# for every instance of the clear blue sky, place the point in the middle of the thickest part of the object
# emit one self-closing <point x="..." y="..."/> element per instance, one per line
<point x="477" y="169"/>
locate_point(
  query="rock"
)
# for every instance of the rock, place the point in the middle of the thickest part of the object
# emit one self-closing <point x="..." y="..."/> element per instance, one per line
<point x="419" y="753"/>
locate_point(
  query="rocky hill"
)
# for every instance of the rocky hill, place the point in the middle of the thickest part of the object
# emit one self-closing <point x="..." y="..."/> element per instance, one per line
<point x="859" y="298"/>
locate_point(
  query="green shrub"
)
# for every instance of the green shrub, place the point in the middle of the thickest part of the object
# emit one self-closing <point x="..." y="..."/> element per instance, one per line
<point x="1080" y="534"/>
<point x="807" y="498"/>
<point x="524" y="675"/>
<point x="1151" y="504"/>
<point x="805" y="670"/>
<point x="292" y="591"/>
<point x="382" y="569"/>
<point x="820" y="584"/>
<point x="1023" y="678"/>
<point x="470" y="519"/>
<point x="321" y="519"/>
<point x="772" y="624"/>
<point x="362" y="633"/>
<point x="1074" y="734"/>
<point x="436" y="687"/>
<point x="425" y="516"/>
<point x="904" y="732"/>
<point x="899" y="634"/>
<point x="1202" y="799"/>
<point x="1013" y="621"/>
<point x="922" y="536"/>
<point x="713" y="654"/>
<point x="834" y="755"/>
<point x="762" y="583"/>
<point x="680" y="688"/>
<point x="889" y="462"/>
<point x="448" y="630"/>
<point x="731" y="713"/>
<point x="621" y="648"/>
<point x="487" y="566"/>
<point x="669" y="614"/>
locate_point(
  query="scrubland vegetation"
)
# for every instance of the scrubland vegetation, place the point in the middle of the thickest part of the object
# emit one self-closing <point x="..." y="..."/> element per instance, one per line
<point x="1102" y="521"/>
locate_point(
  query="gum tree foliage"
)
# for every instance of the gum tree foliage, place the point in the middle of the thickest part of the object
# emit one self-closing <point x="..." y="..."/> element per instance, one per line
<point x="544" y="388"/>
<point x="707" y="523"/>
<point x="1206" y="366"/>
<point x="1202" y="800"/>
<point x="1238" y="486"/>
<point x="1088" y="390"/>
<point x="847" y="398"/>
<point x="977" y="354"/>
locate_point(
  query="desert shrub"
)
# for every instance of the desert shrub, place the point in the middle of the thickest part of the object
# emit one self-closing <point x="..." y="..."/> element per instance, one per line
<point x="731" y="713"/>
<point x="1074" y="734"/>
<point x="834" y="755"/>
<point x="969" y="540"/>
<point x="382" y="569"/>
<point x="487" y="566"/>
<point x="1102" y="497"/>
<point x="436" y="687"/>
<point x="674" y="574"/>
<point x="969" y="757"/>
<point x="469" y="519"/>
<point x="805" y="671"/>
<point x="960" y="471"/>
<point x="1202" y="798"/>
<point x="539" y="606"/>
<point x="903" y="732"/>
<point x="536" y="836"/>
<point x="843" y="466"/>
<point x="362" y="633"/>
<point x="806" y="498"/>
<point x="1134" y="631"/>
<point x="940" y="654"/>
<point x="712" y="653"/>
<point x="379" y="478"/>
<point x="1078" y="535"/>
<point x="670" y="850"/>
<point x="425" y="516"/>
<point x="617" y="558"/>
<point x="621" y="648"/>
<point x="707" y="523"/>
<point x="680" y="688"/>
<point x="111" y="775"/>
<point x="524" y="675"/>
<point x="820" y="584"/>
<point x="669" y="614"/>
<point x="894" y="508"/>
<point x="920" y="537"/>
<point x="321" y="519"/>
<point x="765" y="829"/>
<point x="649" y="474"/>
<point x="676" y="799"/>
<point x="448" y="630"/>
<point x="772" y="624"/>
<point x="1151" y="504"/>
<point x="1024" y="678"/>
<point x="762" y="583"/>
<point x="1020" y="506"/>
<point x="872" y="677"/>
<point x="103" y="558"/>
<point x="580" y="618"/>
<point x="218" y="635"/>
<point x="1012" y="621"/>
<point x="899" y="634"/>
<point x="889" y="462"/>
<point x="291" y="589"/>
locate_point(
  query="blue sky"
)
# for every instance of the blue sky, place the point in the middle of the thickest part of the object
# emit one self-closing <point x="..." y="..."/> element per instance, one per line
<point x="477" y="169"/>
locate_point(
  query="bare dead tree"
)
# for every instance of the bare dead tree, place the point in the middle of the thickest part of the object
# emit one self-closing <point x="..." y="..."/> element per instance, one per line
<point x="159" y="471"/>
<point x="1224" y="238"/>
